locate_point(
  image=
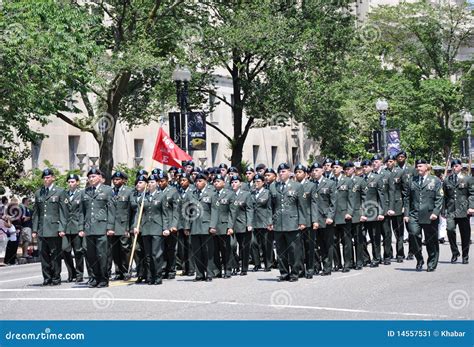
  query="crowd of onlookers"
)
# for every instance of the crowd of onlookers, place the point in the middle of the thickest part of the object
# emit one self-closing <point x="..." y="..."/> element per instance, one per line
<point x="15" y="227"/>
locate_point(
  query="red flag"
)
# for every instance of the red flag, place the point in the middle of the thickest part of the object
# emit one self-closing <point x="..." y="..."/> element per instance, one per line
<point x="167" y="152"/>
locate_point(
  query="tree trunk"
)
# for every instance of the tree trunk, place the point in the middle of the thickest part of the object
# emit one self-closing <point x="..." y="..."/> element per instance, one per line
<point x="106" y="152"/>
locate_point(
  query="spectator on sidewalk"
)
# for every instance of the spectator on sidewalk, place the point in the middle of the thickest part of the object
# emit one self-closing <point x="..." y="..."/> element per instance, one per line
<point x="26" y="226"/>
<point x="3" y="205"/>
<point x="9" y="229"/>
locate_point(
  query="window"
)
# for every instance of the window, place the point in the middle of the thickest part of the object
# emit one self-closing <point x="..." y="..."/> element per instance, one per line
<point x="295" y="155"/>
<point x="73" y="145"/>
<point x="35" y="153"/>
<point x="214" y="149"/>
<point x="255" y="155"/>
<point x="138" y="147"/>
<point x="274" y="155"/>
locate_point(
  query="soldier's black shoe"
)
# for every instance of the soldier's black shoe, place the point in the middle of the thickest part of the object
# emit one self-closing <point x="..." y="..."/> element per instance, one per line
<point x="256" y="268"/>
<point x="79" y="280"/>
<point x="191" y="274"/>
<point x="118" y="278"/>
<point x="139" y="280"/>
<point x="198" y="279"/>
<point x="90" y="280"/>
<point x="208" y="279"/>
<point x="93" y="284"/>
<point x="309" y="276"/>
<point x="430" y="269"/>
<point x="171" y="277"/>
<point x="47" y="282"/>
<point x="184" y="273"/>
<point x="293" y="279"/>
<point x="243" y="273"/>
<point x="283" y="278"/>
<point x="267" y="269"/>
<point x="441" y="240"/>
<point x="358" y="267"/>
<point x="454" y="259"/>
<point x="419" y="265"/>
<point x="367" y="263"/>
<point x="374" y="264"/>
<point x="103" y="284"/>
<point x="158" y="282"/>
<point x="336" y="268"/>
<point x="399" y="259"/>
<point x="465" y="260"/>
<point x="346" y="269"/>
<point x="326" y="273"/>
<point x="234" y="272"/>
<point x="410" y="257"/>
<point x="386" y="262"/>
<point x="71" y="279"/>
<point x="227" y="276"/>
<point x="127" y="277"/>
<point x="218" y="276"/>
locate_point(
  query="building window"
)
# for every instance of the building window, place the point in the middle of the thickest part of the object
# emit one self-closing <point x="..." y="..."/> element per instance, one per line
<point x="214" y="149"/>
<point x="274" y="155"/>
<point x="73" y="145"/>
<point x="35" y="153"/>
<point x="138" y="148"/>
<point x="255" y="154"/>
<point x="295" y="155"/>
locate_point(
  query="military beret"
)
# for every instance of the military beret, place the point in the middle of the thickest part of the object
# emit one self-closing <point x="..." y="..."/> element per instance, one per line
<point x="270" y="170"/>
<point x="180" y="171"/>
<point x="153" y="177"/>
<point x="162" y="176"/>
<point x="377" y="157"/>
<point x="189" y="163"/>
<point x="94" y="171"/>
<point x="173" y="168"/>
<point x="233" y="169"/>
<point x="235" y="178"/>
<point x="456" y="162"/>
<point x="249" y="169"/>
<point x="258" y="177"/>
<point x="72" y="177"/>
<point x="421" y="161"/>
<point x="142" y="172"/>
<point x="219" y="177"/>
<point x="327" y="161"/>
<point x="201" y="176"/>
<point x="211" y="170"/>
<point x="348" y="164"/>
<point x="337" y="163"/>
<point x="223" y="166"/>
<point x="300" y="167"/>
<point x="283" y="166"/>
<point x="365" y="162"/>
<point x="119" y="174"/>
<point x="186" y="176"/>
<point x="260" y="167"/>
<point x="390" y="157"/>
<point x="316" y="165"/>
<point x="197" y="169"/>
<point x="401" y="153"/>
<point x="141" y="178"/>
<point x="156" y="171"/>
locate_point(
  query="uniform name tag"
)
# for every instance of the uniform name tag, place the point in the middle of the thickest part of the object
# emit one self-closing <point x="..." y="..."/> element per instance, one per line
<point x="206" y="200"/>
<point x="54" y="198"/>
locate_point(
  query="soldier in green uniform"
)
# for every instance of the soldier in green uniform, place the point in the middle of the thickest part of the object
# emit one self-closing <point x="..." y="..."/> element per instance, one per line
<point x="223" y="203"/>
<point x="172" y="204"/>
<point x="184" y="241"/>
<point x="459" y="201"/>
<point x="49" y="224"/>
<point x="395" y="204"/>
<point x="262" y="219"/>
<point x="289" y="220"/>
<point x="154" y="229"/>
<point x="270" y="177"/>
<point x="328" y="167"/>
<point x="99" y="222"/>
<point x="343" y="217"/>
<point x="200" y="215"/>
<point x="243" y="220"/>
<point x="119" y="241"/>
<point x="249" y="175"/>
<point x="308" y="235"/>
<point x="357" y="196"/>
<point x="423" y="204"/>
<point x="136" y="201"/>
<point x="75" y="220"/>
<point x="373" y="209"/>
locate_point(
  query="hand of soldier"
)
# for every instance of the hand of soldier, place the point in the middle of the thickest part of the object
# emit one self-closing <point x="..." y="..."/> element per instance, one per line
<point x="187" y="232"/>
<point x="270" y="227"/>
<point x="62" y="234"/>
<point x="406" y="219"/>
<point x="315" y="225"/>
<point x="82" y="233"/>
<point x="329" y="221"/>
<point x="470" y="211"/>
<point x="391" y="212"/>
<point x="212" y="230"/>
<point x="230" y="231"/>
<point x="433" y="217"/>
<point x="110" y="233"/>
<point x="136" y="231"/>
<point x="173" y="230"/>
<point x="127" y="234"/>
<point x="347" y="216"/>
<point x="380" y="217"/>
<point x="363" y="218"/>
<point x="302" y="226"/>
<point x="166" y="233"/>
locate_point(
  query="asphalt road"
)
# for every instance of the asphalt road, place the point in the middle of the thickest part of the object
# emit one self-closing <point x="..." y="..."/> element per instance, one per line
<point x="387" y="292"/>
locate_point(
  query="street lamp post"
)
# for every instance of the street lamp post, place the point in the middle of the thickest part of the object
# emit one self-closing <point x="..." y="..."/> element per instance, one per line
<point x="182" y="76"/>
<point x="382" y="107"/>
<point x="468" y="120"/>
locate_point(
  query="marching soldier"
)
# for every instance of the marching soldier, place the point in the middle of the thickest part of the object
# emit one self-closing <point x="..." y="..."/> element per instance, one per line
<point x="172" y="204"/>
<point x="328" y="168"/>
<point x="243" y="216"/>
<point x="323" y="209"/>
<point x="99" y="222"/>
<point x="308" y="235"/>
<point x="288" y="220"/>
<point x="224" y="201"/>
<point x="200" y="216"/>
<point x="154" y="229"/>
<point x="343" y="218"/>
<point x="137" y="198"/>
<point x="249" y="174"/>
<point x="75" y="220"/>
<point x="49" y="224"/>
<point x="423" y="205"/>
<point x="119" y="241"/>
<point x="270" y="177"/>
<point x="459" y="202"/>
<point x="262" y="219"/>
<point x="373" y="210"/>
<point x="184" y="241"/>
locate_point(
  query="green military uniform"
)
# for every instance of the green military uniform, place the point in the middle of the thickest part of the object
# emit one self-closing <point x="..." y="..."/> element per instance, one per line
<point x="386" y="228"/>
<point x="424" y="198"/>
<point x="184" y="241"/>
<point x="459" y="197"/>
<point x="199" y="223"/>
<point x="408" y="173"/>
<point x="358" y="233"/>
<point x="156" y="218"/>
<point x="343" y="228"/>
<point x="172" y="203"/>
<point x="395" y="203"/>
<point x="139" y="256"/>
<point x="288" y="214"/>
<point x="323" y="206"/>
<point x="309" y="234"/>
<point x="120" y="243"/>
<point x="243" y="218"/>
<point x="262" y="218"/>
<point x="49" y="219"/>
<point x="75" y="221"/>
<point x="223" y="202"/>
<point x="99" y="216"/>
<point x="372" y="207"/>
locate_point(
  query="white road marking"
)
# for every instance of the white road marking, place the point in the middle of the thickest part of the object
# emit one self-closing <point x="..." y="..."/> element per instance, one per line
<point x="20" y="279"/>
<point x="347" y="276"/>
<point x="334" y="309"/>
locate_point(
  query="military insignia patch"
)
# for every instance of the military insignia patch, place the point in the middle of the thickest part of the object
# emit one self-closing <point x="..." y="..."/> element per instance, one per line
<point x="66" y="201"/>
